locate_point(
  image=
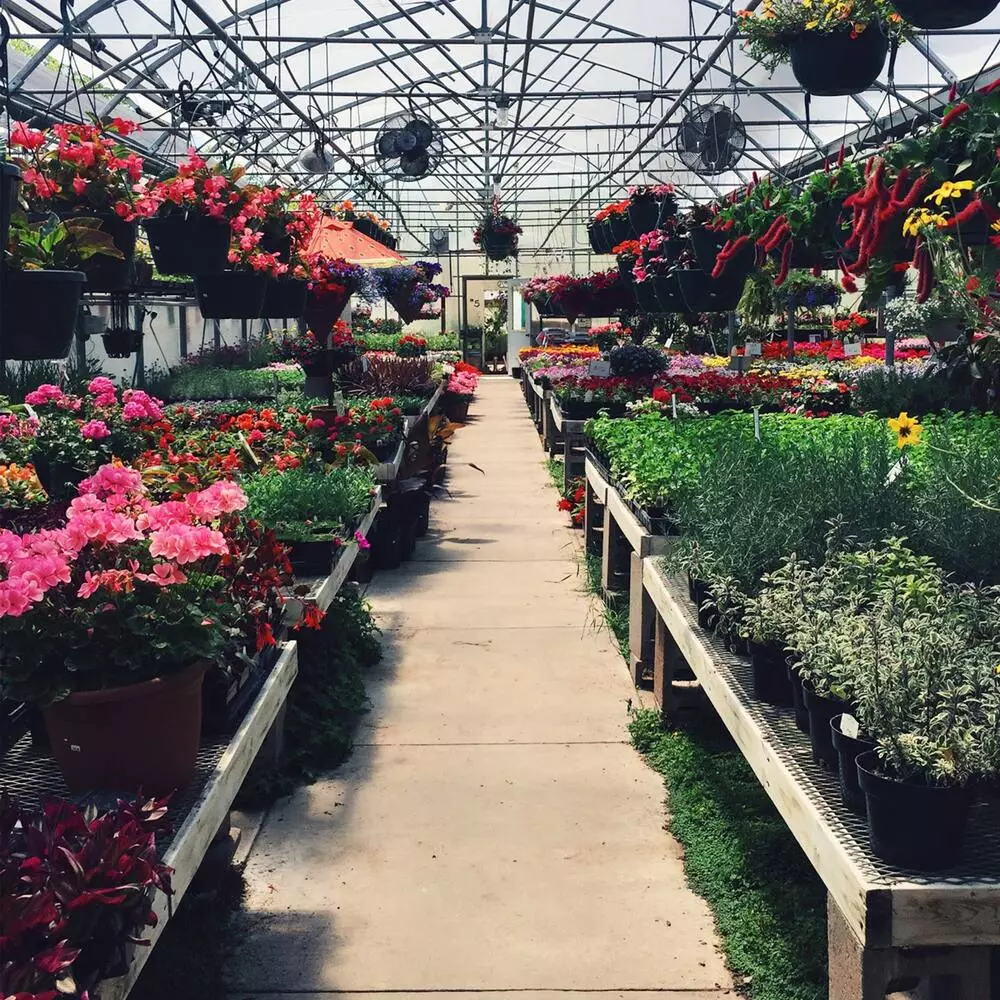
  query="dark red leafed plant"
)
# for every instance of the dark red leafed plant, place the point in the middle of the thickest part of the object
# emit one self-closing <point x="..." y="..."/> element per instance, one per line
<point x="75" y="892"/>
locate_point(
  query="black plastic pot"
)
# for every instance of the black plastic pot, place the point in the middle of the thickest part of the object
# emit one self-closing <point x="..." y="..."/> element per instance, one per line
<point x="121" y="343"/>
<point x="231" y="294"/>
<point x="645" y="296"/>
<point x="821" y="710"/>
<point x="191" y="244"/>
<point x="706" y="244"/>
<point x="312" y="558"/>
<point x="390" y="241"/>
<point x="770" y="674"/>
<point x="913" y="826"/>
<point x="668" y="293"/>
<point x="284" y="298"/>
<point x="279" y="245"/>
<point x="707" y="616"/>
<point x="59" y="479"/>
<point x="848" y="750"/>
<point x="368" y="228"/>
<point x="39" y="314"/>
<point x="936" y="14"/>
<point x="645" y="215"/>
<point x="798" y="699"/>
<point x="10" y="181"/>
<point x="109" y="274"/>
<point x="703" y="293"/>
<point x="499" y="246"/>
<point x="599" y="237"/>
<point x="833" y="64"/>
<point x="619" y="228"/>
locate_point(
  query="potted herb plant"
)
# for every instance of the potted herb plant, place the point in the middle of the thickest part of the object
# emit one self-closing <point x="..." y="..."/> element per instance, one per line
<point x="85" y="172"/>
<point x="143" y="612"/>
<point x="312" y="512"/>
<point x="43" y="283"/>
<point x="835" y="49"/>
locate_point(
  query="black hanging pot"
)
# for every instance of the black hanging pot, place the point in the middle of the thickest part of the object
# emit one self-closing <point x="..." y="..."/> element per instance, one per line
<point x="369" y="228"/>
<point x="59" y="479"/>
<point x="934" y="15"/>
<point x="285" y="298"/>
<point x="390" y="241"/>
<point x="39" y="314"/>
<point x="644" y="215"/>
<point x="833" y="64"/>
<point x="668" y="293"/>
<point x="803" y="258"/>
<point x="121" y="343"/>
<point x="645" y="296"/>
<point x="625" y="265"/>
<point x="703" y="293"/>
<point x="498" y="246"/>
<point x="849" y="748"/>
<point x="10" y="182"/>
<point x="910" y="825"/>
<point x="231" y="294"/>
<point x="619" y="228"/>
<point x="188" y="244"/>
<point x="109" y="274"/>
<point x="821" y="710"/>
<point x="281" y="246"/>
<point x="600" y="238"/>
<point x="706" y="244"/>
<point x="770" y="673"/>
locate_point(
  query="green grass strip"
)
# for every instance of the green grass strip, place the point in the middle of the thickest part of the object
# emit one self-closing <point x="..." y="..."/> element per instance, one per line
<point x="616" y="610"/>
<point x="769" y="904"/>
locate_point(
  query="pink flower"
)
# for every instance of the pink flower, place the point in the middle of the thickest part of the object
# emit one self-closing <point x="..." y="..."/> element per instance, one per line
<point x="104" y="389"/>
<point x="80" y="185"/>
<point x="164" y="514"/>
<point x="95" y="430"/>
<point x="25" y="137"/>
<point x="110" y="480"/>
<point x="44" y="394"/>
<point x="164" y="575"/>
<point x="363" y="542"/>
<point x="141" y="406"/>
<point x="186" y="543"/>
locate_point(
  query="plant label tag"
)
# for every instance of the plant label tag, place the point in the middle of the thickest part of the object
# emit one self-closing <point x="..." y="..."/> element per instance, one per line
<point x="849" y="726"/>
<point x="588" y="396"/>
<point x="852" y="350"/>
<point x="365" y="363"/>
<point x="599" y="369"/>
<point x="338" y="401"/>
<point x="753" y="349"/>
<point x="895" y="472"/>
<point x="813" y="338"/>
<point x="756" y="422"/>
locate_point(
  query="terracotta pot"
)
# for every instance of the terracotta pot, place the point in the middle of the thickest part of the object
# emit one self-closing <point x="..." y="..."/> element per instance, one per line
<point x="142" y="736"/>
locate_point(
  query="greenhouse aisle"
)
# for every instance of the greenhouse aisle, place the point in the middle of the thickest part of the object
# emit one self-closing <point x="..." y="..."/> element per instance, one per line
<point x="493" y="830"/>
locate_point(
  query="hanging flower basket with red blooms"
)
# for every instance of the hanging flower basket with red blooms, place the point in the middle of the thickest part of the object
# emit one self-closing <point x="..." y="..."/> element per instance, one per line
<point x="497" y="234"/>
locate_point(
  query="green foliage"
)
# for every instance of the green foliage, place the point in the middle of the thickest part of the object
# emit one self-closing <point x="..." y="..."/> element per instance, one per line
<point x="327" y="698"/>
<point x="56" y="245"/>
<point x="912" y="389"/>
<point x="769" y="904"/>
<point x="18" y="378"/>
<point x="227" y="383"/>
<point x="389" y="342"/>
<point x="305" y="504"/>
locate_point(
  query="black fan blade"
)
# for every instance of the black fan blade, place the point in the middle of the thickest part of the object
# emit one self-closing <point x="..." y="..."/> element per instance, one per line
<point x="415" y="164"/>
<point x="690" y="136"/>
<point x="422" y="132"/>
<point x="407" y="141"/>
<point x="388" y="144"/>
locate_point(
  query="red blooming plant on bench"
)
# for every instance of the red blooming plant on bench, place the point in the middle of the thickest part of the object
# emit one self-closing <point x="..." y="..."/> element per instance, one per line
<point x="76" y="892"/>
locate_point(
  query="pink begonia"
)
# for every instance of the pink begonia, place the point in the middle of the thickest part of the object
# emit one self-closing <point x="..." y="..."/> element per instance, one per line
<point x="95" y="430"/>
<point x="140" y="406"/>
<point x="187" y="543"/>
<point x="45" y="393"/>
<point x="164" y="575"/>
<point x="113" y="479"/>
<point x="363" y="542"/>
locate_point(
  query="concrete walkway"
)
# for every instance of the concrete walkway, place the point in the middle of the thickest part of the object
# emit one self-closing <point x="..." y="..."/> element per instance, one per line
<point x="493" y="831"/>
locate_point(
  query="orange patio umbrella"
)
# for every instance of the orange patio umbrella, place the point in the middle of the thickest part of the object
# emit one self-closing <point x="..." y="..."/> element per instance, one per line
<point x="337" y="239"/>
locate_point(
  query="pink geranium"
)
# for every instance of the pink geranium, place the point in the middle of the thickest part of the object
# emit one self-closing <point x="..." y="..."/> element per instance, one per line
<point x="95" y="430"/>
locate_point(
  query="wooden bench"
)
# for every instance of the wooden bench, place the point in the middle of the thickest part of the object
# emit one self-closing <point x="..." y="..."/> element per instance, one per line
<point x="566" y="438"/>
<point x="624" y="543"/>
<point x="889" y="931"/>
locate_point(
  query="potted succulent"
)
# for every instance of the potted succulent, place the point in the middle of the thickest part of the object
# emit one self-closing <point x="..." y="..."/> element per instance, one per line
<point x="497" y="234"/>
<point x="43" y="283"/>
<point x="312" y="512"/>
<point x="85" y="172"/>
<point x="835" y="49"/>
<point x="190" y="217"/>
<point x="143" y="612"/>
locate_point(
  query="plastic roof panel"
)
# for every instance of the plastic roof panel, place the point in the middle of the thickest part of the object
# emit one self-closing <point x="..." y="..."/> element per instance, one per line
<point x="590" y="81"/>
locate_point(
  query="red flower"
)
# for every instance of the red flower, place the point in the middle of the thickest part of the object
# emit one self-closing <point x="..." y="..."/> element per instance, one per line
<point x="972" y="284"/>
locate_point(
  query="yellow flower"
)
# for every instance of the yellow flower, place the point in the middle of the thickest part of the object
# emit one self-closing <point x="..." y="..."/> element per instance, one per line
<point x="906" y="429"/>
<point x="950" y="189"/>
<point x="921" y="218"/>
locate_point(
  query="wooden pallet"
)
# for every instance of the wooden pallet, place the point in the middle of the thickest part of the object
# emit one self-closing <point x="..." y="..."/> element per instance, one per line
<point x="888" y="930"/>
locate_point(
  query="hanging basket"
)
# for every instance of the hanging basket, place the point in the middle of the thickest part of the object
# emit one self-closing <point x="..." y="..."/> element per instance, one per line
<point x="39" y="314"/>
<point x="10" y="182"/>
<point x="703" y="293"/>
<point x="281" y="246"/>
<point x="324" y="308"/>
<point x="598" y="235"/>
<point x="934" y="15"/>
<point x="121" y="343"/>
<point x="645" y="215"/>
<point x="619" y="229"/>
<point x="285" y="298"/>
<point x="109" y="274"/>
<point x="668" y="293"/>
<point x="499" y="246"/>
<point x="706" y="244"/>
<point x="543" y="303"/>
<point x="645" y="296"/>
<point x="390" y="241"/>
<point x="231" y="294"/>
<point x="833" y="64"/>
<point x="188" y="244"/>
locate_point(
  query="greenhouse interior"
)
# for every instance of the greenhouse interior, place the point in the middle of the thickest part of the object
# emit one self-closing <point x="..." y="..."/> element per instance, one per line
<point x="532" y="470"/>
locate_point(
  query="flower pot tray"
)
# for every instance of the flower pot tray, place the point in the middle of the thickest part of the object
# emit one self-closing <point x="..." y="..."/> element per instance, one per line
<point x="196" y="813"/>
<point x="876" y="911"/>
<point x="321" y="590"/>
